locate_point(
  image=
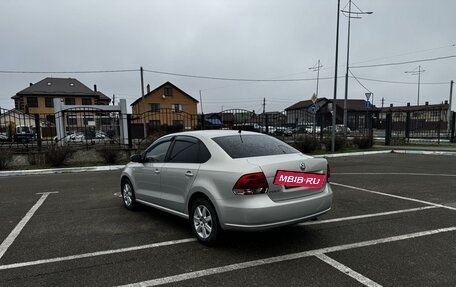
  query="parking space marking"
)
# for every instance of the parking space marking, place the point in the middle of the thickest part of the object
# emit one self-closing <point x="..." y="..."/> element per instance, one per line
<point x="348" y="271"/>
<point x="94" y="254"/>
<point x="276" y="259"/>
<point x="13" y="235"/>
<point x="186" y="240"/>
<point x="394" y="196"/>
<point x="366" y="215"/>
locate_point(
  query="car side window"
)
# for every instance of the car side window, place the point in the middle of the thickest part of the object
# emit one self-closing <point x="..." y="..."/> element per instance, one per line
<point x="158" y="152"/>
<point x="188" y="149"/>
<point x="185" y="151"/>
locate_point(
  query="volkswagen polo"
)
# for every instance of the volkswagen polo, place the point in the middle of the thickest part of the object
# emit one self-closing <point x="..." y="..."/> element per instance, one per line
<point x="227" y="180"/>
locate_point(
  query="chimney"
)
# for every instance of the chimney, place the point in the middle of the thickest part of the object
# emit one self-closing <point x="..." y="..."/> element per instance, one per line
<point x="148" y="88"/>
<point x="426" y="103"/>
<point x="446" y="102"/>
<point x="408" y="104"/>
<point x="31" y="84"/>
<point x="95" y="88"/>
<point x="391" y="105"/>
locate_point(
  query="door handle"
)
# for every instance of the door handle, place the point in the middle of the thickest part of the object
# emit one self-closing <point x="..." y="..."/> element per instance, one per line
<point x="189" y="173"/>
<point x="157" y="171"/>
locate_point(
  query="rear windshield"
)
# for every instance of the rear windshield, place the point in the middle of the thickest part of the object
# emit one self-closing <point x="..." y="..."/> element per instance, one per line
<point x="239" y="146"/>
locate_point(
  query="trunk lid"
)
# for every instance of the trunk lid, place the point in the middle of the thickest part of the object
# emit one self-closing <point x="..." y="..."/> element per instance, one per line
<point x="298" y="163"/>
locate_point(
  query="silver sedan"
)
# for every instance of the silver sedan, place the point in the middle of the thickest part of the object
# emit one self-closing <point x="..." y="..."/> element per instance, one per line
<point x="227" y="180"/>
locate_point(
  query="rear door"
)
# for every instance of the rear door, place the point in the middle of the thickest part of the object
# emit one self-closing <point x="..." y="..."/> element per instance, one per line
<point x="180" y="170"/>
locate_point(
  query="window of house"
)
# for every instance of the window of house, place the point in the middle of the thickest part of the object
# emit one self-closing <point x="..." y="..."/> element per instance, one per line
<point x="177" y="123"/>
<point x="154" y="107"/>
<point x="154" y="124"/>
<point x="32" y="102"/>
<point x="86" y="101"/>
<point x="89" y="120"/>
<point x="176" y="107"/>
<point x="50" y="119"/>
<point x="72" y="120"/>
<point x="70" y="101"/>
<point x="168" y="91"/>
<point x="49" y="102"/>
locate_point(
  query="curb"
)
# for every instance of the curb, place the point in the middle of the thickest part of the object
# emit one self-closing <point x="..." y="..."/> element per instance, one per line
<point x="119" y="167"/>
<point x="353" y="153"/>
<point x="60" y="170"/>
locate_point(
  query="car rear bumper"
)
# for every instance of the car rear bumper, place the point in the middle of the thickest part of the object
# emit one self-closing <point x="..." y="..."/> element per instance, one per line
<point x="259" y="212"/>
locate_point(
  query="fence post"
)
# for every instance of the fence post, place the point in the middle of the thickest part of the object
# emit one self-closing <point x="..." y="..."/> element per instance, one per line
<point x="453" y="126"/>
<point x="266" y="123"/>
<point x="407" y="126"/>
<point x="202" y="121"/>
<point x="130" y="142"/>
<point x="38" y="131"/>
<point x="388" y="128"/>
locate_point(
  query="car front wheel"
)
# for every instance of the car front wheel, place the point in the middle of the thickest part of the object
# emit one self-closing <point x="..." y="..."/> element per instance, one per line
<point x="128" y="195"/>
<point x="204" y="221"/>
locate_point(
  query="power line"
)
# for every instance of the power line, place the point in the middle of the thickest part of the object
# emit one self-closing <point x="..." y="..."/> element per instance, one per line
<point x="408" y="53"/>
<point x="359" y="81"/>
<point x="398" y="82"/>
<point x="403" y="63"/>
<point x="234" y="79"/>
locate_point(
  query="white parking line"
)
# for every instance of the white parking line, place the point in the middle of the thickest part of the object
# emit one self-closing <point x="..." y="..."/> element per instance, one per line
<point x="394" y="196"/>
<point x="348" y="271"/>
<point x="94" y="254"/>
<point x="365" y="216"/>
<point x="173" y="242"/>
<point x="13" y="235"/>
<point x="293" y="256"/>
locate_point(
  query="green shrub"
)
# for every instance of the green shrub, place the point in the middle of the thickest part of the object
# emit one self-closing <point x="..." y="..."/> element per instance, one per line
<point x="57" y="155"/>
<point x="339" y="143"/>
<point x="364" y="142"/>
<point x="6" y="157"/>
<point x="109" y="154"/>
<point x="306" y="144"/>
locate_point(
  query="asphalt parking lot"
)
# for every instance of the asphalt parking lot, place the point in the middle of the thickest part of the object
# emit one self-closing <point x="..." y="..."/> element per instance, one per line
<point x="393" y="223"/>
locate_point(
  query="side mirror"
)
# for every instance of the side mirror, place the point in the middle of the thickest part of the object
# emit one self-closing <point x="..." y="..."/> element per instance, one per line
<point x="136" y="158"/>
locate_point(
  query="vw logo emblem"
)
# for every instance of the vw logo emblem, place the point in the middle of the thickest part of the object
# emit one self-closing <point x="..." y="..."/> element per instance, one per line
<point x="302" y="166"/>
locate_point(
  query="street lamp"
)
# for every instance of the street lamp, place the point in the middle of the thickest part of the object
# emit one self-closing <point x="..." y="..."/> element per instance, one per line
<point x="417" y="72"/>
<point x="333" y="108"/>
<point x="354" y="15"/>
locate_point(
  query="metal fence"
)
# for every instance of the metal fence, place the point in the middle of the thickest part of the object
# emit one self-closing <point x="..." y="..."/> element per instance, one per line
<point x="82" y="127"/>
<point x="426" y="125"/>
<point x="85" y="127"/>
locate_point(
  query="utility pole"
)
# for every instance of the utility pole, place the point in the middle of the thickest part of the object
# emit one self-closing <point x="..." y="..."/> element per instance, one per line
<point x="113" y="99"/>
<point x="264" y="105"/>
<point x="142" y="87"/>
<point x="449" y="107"/>
<point x="383" y="102"/>
<point x="201" y="103"/>
<point x="357" y="15"/>
<point x="143" y="100"/>
<point x="333" y="130"/>
<point x="317" y="68"/>
<point x="417" y="72"/>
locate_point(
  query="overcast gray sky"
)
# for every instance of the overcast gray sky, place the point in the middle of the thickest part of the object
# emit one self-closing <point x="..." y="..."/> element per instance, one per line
<point x="248" y="39"/>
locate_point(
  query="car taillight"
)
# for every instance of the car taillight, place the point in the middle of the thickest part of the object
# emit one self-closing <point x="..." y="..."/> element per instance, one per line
<point x="252" y="183"/>
<point x="328" y="171"/>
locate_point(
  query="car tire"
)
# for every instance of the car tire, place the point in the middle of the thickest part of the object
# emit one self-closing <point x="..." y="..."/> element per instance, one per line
<point x="204" y="221"/>
<point x="128" y="195"/>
